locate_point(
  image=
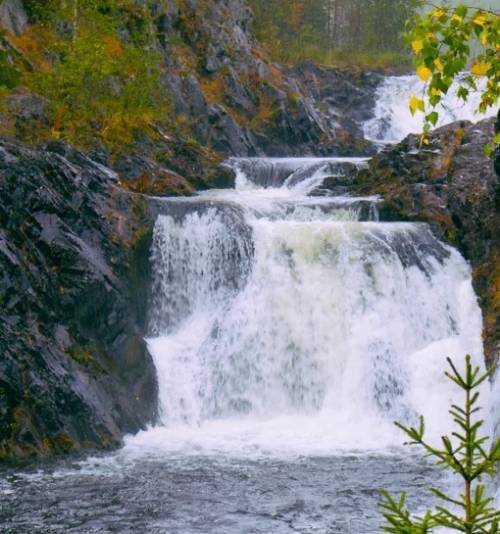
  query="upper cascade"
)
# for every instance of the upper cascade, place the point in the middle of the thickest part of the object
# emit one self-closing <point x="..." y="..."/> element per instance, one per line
<point x="393" y="121"/>
<point x="303" y="174"/>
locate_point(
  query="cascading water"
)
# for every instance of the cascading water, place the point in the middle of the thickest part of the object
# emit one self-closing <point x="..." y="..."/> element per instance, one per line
<point x="392" y="120"/>
<point x="288" y="323"/>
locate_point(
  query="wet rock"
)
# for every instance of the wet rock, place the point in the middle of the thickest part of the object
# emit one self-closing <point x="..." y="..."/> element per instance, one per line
<point x="27" y="110"/>
<point x="241" y="98"/>
<point x="197" y="101"/>
<point x="168" y="166"/>
<point x="213" y="63"/>
<point x="74" y="257"/>
<point x="496" y="155"/>
<point x="345" y="97"/>
<point x="226" y="135"/>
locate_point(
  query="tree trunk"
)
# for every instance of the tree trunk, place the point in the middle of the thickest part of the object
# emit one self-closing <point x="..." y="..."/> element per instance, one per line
<point x="496" y="156"/>
<point x="75" y="19"/>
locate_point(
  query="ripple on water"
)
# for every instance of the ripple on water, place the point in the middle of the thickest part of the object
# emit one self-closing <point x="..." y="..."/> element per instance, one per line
<point x="211" y="494"/>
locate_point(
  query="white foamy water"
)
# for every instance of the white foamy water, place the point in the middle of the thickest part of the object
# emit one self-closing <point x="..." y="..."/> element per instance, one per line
<point x="285" y="324"/>
<point x="393" y="121"/>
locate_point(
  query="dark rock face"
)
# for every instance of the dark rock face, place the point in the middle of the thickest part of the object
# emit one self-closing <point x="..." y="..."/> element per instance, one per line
<point x="496" y="156"/>
<point x="74" y="257"/>
<point x="452" y="185"/>
<point x="345" y="97"/>
<point x="170" y="168"/>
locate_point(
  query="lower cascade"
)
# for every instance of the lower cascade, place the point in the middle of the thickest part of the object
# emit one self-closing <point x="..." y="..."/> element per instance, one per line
<point x="291" y="322"/>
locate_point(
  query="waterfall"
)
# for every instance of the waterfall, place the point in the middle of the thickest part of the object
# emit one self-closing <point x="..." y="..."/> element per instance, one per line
<point x="393" y="121"/>
<point x="284" y="321"/>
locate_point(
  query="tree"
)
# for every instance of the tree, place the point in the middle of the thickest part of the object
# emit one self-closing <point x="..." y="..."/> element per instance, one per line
<point x="456" y="43"/>
<point x="465" y="453"/>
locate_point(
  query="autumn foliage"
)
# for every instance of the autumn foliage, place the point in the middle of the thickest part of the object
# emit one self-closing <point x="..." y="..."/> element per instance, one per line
<point x="456" y="43"/>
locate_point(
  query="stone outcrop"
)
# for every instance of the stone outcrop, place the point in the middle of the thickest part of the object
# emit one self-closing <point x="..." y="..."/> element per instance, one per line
<point x="236" y="101"/>
<point x="74" y="259"/>
<point x="345" y="97"/>
<point x="452" y="185"/>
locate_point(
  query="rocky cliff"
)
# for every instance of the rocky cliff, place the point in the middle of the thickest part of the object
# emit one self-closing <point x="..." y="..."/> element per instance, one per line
<point x="74" y="250"/>
<point x="240" y="102"/>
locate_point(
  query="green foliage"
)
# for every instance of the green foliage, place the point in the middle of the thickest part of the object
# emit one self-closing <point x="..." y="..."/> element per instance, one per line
<point x="465" y="453"/>
<point x="9" y="75"/>
<point x="93" y="64"/>
<point x="41" y="10"/>
<point x="334" y="31"/>
<point x="98" y="88"/>
<point x="448" y="41"/>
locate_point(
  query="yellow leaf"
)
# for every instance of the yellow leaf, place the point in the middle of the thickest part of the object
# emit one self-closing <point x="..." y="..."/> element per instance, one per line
<point x="416" y="104"/>
<point x="484" y="38"/>
<point x="417" y="46"/>
<point x="438" y="12"/>
<point x="439" y="64"/>
<point x="456" y="17"/>
<point x="424" y="73"/>
<point x="435" y="91"/>
<point x="480" y="69"/>
<point x="480" y="20"/>
<point x="112" y="47"/>
<point x="423" y="140"/>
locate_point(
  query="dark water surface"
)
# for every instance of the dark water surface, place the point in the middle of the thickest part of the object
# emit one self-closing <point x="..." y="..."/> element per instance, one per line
<point x="200" y="494"/>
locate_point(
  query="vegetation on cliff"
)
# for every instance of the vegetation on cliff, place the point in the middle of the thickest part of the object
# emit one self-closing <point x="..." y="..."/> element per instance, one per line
<point x="95" y="70"/>
<point x="162" y="89"/>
